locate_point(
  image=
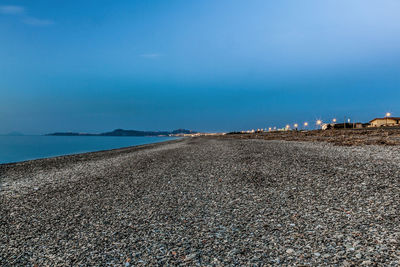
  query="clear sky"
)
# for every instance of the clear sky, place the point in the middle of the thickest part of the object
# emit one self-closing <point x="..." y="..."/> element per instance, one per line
<point x="205" y="65"/>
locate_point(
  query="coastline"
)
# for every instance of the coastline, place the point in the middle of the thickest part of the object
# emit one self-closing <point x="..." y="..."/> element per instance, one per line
<point x="89" y="152"/>
<point x="207" y="201"/>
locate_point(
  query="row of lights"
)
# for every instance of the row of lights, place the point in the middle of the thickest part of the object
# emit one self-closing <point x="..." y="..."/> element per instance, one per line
<point x="305" y="124"/>
<point x="319" y="122"/>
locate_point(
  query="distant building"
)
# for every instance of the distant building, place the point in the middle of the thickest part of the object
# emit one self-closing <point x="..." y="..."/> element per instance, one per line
<point x="387" y="121"/>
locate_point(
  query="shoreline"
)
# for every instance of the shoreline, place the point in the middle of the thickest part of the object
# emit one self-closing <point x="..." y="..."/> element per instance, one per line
<point x="204" y="201"/>
<point x="89" y="152"/>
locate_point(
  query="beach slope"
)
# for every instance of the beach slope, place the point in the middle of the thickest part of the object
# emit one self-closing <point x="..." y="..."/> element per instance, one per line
<point x="205" y="201"/>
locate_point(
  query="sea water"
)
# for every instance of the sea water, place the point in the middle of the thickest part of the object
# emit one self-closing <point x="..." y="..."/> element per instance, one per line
<point x="21" y="148"/>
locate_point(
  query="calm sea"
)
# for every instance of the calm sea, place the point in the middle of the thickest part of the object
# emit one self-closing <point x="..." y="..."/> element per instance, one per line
<point x="20" y="148"/>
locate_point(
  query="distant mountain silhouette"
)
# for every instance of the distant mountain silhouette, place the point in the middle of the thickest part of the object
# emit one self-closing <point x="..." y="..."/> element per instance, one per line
<point x="122" y="132"/>
<point x="182" y="131"/>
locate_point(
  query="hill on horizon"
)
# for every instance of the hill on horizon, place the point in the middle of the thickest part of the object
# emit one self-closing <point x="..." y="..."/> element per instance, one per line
<point x="122" y="132"/>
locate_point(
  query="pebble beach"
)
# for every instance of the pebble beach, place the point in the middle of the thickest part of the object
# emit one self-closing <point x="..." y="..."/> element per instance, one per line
<point x="205" y="202"/>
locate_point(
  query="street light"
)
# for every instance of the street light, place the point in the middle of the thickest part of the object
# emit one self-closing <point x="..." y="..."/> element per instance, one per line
<point x="287" y="127"/>
<point x="296" y="125"/>
<point x="334" y="120"/>
<point x="319" y="123"/>
<point x="388" y="114"/>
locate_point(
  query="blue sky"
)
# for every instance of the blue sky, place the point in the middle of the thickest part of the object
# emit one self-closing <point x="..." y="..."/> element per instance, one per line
<point x="204" y="65"/>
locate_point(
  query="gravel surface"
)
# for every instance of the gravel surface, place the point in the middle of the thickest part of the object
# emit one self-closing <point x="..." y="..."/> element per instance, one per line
<point x="387" y="136"/>
<point x="206" y="202"/>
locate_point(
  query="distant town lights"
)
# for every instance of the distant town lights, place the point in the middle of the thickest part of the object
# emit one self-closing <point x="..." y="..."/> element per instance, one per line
<point x="331" y="124"/>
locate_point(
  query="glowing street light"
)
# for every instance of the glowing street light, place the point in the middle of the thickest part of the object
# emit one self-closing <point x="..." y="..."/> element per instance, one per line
<point x="287" y="127"/>
<point x="388" y="114"/>
<point x="319" y="122"/>
<point x="305" y="124"/>
<point x="334" y="120"/>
